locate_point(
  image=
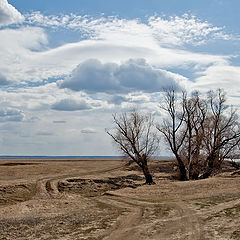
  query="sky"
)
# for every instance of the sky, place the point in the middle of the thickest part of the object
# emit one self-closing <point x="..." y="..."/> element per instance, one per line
<point x="67" y="66"/>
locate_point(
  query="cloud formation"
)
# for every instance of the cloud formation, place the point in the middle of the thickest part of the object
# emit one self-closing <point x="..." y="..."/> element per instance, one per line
<point x="44" y="133"/>
<point x="224" y="76"/>
<point x="71" y="105"/>
<point x="133" y="75"/>
<point x="11" y="114"/>
<point x="3" y="80"/>
<point x="173" y="30"/>
<point x="91" y="56"/>
<point x="187" y="29"/>
<point x="88" y="130"/>
<point x="9" y="14"/>
<point x="27" y="56"/>
<point x="117" y="99"/>
<point x="19" y="48"/>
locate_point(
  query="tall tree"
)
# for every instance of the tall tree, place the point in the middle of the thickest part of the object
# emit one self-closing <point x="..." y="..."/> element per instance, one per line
<point x="222" y="132"/>
<point x="201" y="132"/>
<point x="136" y="137"/>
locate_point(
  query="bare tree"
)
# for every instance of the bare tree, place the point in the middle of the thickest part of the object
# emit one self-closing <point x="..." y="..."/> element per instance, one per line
<point x="135" y="136"/>
<point x="201" y="132"/>
<point x="222" y="132"/>
<point x="183" y="129"/>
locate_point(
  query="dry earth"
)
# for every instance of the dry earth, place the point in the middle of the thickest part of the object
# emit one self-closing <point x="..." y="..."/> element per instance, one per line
<point x="103" y="199"/>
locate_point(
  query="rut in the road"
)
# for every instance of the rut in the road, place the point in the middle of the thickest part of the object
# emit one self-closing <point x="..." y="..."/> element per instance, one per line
<point x="184" y="224"/>
<point x="46" y="188"/>
<point x="139" y="221"/>
<point x="126" y="226"/>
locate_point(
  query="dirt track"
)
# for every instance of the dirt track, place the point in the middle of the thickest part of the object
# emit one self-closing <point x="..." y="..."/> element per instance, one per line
<point x="104" y="200"/>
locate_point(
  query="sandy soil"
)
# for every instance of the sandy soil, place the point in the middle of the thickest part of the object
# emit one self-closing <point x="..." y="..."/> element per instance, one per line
<point x="104" y="199"/>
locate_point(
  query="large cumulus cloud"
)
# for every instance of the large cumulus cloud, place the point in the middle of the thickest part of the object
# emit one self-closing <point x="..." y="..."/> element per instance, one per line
<point x="9" y="14"/>
<point x="133" y="75"/>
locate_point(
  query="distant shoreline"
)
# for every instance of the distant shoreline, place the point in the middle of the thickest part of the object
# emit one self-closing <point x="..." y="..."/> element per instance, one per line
<point x="15" y="157"/>
<point x="9" y="157"/>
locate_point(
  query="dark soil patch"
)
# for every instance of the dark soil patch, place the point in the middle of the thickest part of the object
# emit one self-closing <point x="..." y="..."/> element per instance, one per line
<point x="96" y="187"/>
<point x="236" y="173"/>
<point x="17" y="164"/>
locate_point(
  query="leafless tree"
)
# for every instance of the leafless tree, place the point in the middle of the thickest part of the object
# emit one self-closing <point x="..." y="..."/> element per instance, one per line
<point x="137" y="138"/>
<point x="201" y="132"/>
<point x="222" y="132"/>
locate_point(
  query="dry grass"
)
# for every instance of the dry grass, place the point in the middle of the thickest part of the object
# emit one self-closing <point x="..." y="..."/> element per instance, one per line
<point x="103" y="199"/>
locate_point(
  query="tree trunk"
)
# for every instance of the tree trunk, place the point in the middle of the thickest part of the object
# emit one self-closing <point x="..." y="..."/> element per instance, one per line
<point x="182" y="169"/>
<point x="147" y="174"/>
<point x="235" y="165"/>
<point x="193" y="172"/>
<point x="207" y="174"/>
<point x="210" y="166"/>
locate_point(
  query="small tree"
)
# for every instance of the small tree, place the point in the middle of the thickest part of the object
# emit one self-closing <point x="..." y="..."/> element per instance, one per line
<point x="201" y="132"/>
<point x="135" y="136"/>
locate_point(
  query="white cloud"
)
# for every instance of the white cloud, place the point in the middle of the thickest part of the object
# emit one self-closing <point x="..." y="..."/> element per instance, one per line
<point x="219" y="76"/>
<point x="18" y="49"/>
<point x="175" y="30"/>
<point x="44" y="133"/>
<point x="9" y="14"/>
<point x="112" y="83"/>
<point x="117" y="99"/>
<point x="11" y="114"/>
<point x="34" y="100"/>
<point x="71" y="105"/>
<point x="26" y="56"/>
<point x="30" y="98"/>
<point x="3" y="80"/>
<point x="139" y="98"/>
<point x="186" y="29"/>
<point x="37" y="18"/>
<point x="88" y="130"/>
<point x="22" y="64"/>
<point x="133" y="75"/>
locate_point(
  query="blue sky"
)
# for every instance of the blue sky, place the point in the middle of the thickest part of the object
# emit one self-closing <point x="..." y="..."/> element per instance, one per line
<point x="67" y="66"/>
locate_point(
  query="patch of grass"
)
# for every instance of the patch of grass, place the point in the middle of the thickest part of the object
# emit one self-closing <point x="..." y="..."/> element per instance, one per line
<point x="83" y="223"/>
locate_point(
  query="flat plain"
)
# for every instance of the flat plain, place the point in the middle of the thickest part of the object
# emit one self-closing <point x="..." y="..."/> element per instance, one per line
<point x="106" y="199"/>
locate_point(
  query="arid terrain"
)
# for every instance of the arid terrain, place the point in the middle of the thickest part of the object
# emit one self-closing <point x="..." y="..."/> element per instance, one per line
<point x="105" y="199"/>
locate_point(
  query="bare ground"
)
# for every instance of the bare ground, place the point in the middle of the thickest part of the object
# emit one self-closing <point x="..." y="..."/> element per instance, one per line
<point x="104" y="199"/>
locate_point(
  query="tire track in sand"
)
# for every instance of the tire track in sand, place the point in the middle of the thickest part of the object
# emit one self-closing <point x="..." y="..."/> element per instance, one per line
<point x="185" y="224"/>
<point x="48" y="186"/>
<point x="134" y="224"/>
<point x="127" y="225"/>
